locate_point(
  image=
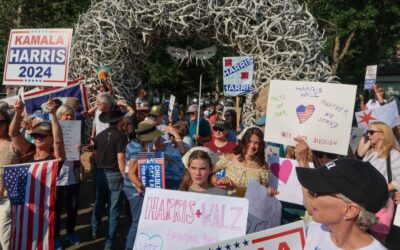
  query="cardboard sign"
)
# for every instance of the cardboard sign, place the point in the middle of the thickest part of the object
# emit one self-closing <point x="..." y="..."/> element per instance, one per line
<point x="182" y="220"/>
<point x="152" y="169"/>
<point x="284" y="177"/>
<point x="238" y="75"/>
<point x="38" y="57"/>
<point x="72" y="137"/>
<point x="287" y="237"/>
<point x="313" y="111"/>
<point x="370" y="76"/>
<point x="387" y="113"/>
<point x="266" y="210"/>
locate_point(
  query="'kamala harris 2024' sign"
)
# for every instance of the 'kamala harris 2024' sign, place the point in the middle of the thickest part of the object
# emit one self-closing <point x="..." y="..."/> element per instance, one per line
<point x="38" y="57"/>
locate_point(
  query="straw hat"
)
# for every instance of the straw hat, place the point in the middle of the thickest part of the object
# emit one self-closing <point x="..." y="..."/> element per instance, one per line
<point x="214" y="157"/>
<point x="147" y="131"/>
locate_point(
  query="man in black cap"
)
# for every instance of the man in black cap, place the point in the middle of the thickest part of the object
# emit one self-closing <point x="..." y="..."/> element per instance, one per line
<point x="109" y="154"/>
<point x="342" y="197"/>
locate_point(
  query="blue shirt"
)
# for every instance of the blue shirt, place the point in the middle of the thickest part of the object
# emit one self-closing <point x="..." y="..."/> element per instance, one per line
<point x="204" y="129"/>
<point x="174" y="168"/>
<point x="131" y="153"/>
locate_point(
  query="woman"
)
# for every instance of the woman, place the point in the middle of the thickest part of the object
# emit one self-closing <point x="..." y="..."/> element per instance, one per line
<point x="68" y="185"/>
<point x="133" y="186"/>
<point x="220" y="145"/>
<point x="141" y="102"/>
<point x="382" y="151"/>
<point x="245" y="163"/>
<point x="7" y="157"/>
<point x="378" y="99"/>
<point x="199" y="162"/>
<point x="230" y="118"/>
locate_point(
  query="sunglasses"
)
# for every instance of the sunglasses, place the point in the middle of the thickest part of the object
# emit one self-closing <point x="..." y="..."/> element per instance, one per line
<point x="3" y="122"/>
<point x="190" y="113"/>
<point x="38" y="136"/>
<point x="219" y="129"/>
<point x="371" y="132"/>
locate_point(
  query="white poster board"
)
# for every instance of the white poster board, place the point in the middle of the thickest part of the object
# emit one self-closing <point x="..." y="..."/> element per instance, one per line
<point x="387" y="113"/>
<point x="171" y="104"/>
<point x="38" y="57"/>
<point x="287" y="237"/>
<point x="72" y="137"/>
<point x="320" y="113"/>
<point x="370" y="76"/>
<point x="266" y="210"/>
<point x="238" y="75"/>
<point x="182" y="220"/>
<point x="284" y="177"/>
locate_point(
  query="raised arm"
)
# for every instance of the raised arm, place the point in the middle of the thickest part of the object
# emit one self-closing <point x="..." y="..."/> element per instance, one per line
<point x="59" y="149"/>
<point x="19" y="141"/>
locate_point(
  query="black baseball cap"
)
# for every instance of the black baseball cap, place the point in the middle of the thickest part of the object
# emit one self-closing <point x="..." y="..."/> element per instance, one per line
<point x="355" y="179"/>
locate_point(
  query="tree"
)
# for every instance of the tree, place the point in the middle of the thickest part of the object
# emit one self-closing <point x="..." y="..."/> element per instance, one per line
<point x="358" y="33"/>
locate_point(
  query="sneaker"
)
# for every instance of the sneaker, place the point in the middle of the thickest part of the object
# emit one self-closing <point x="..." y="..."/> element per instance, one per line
<point x="57" y="244"/>
<point x="73" y="238"/>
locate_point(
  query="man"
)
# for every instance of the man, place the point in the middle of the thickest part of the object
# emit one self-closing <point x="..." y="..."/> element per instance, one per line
<point x="109" y="154"/>
<point x="204" y="134"/>
<point x="342" y="197"/>
<point x="103" y="104"/>
<point x="157" y="116"/>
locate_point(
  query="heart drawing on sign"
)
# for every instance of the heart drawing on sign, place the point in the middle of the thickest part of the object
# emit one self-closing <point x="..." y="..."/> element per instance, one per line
<point x="282" y="170"/>
<point x="304" y="112"/>
<point x="145" y="241"/>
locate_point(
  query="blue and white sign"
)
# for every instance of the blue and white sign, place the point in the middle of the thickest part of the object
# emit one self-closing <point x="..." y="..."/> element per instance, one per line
<point x="152" y="169"/>
<point x="238" y="75"/>
<point x="38" y="57"/>
<point x="370" y="76"/>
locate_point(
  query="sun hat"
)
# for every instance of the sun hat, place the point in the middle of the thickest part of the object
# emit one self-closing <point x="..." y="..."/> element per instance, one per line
<point x="357" y="180"/>
<point x="155" y="110"/>
<point x="42" y="128"/>
<point x="111" y="116"/>
<point x="148" y="131"/>
<point x="214" y="157"/>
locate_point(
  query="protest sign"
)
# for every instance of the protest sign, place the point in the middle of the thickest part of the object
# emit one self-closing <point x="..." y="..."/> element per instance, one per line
<point x="287" y="237"/>
<point x="72" y="137"/>
<point x="284" y="178"/>
<point x="171" y="104"/>
<point x="396" y="220"/>
<point x="181" y="220"/>
<point x="355" y="137"/>
<point x="238" y="75"/>
<point x="266" y="210"/>
<point x="152" y="169"/>
<point x="312" y="111"/>
<point x="370" y="76"/>
<point x="38" y="57"/>
<point x="387" y="113"/>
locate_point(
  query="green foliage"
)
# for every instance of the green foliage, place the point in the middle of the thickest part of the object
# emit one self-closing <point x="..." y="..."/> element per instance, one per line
<point x="377" y="32"/>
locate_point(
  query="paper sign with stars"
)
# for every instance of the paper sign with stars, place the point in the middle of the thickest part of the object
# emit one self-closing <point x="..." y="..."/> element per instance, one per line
<point x="38" y="57"/>
<point x="182" y="220"/>
<point x="387" y="113"/>
<point x="290" y="236"/>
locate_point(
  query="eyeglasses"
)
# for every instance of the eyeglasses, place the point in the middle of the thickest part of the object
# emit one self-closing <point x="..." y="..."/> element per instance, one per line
<point x="39" y="136"/>
<point x="372" y="132"/>
<point x="219" y="129"/>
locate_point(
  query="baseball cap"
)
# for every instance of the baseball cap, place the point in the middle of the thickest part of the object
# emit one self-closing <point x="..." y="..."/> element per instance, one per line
<point x="220" y="124"/>
<point x="155" y="110"/>
<point x="355" y="179"/>
<point x="42" y="128"/>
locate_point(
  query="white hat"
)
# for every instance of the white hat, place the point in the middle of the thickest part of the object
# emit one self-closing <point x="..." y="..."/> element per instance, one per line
<point x="214" y="157"/>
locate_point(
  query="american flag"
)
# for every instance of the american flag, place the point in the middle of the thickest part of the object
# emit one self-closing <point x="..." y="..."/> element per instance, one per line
<point x="31" y="189"/>
<point x="304" y="112"/>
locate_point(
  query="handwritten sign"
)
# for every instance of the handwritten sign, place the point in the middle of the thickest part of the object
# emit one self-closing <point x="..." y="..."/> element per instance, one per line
<point x="284" y="178"/>
<point x="266" y="210"/>
<point x="171" y="104"/>
<point x="72" y="138"/>
<point x="313" y="111"/>
<point x="38" y="57"/>
<point x="370" y="76"/>
<point x="152" y="169"/>
<point x="238" y="75"/>
<point x="287" y="237"/>
<point x="387" y="113"/>
<point x="182" y="220"/>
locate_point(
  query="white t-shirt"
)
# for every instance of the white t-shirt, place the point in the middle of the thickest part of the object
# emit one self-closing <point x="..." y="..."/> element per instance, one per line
<point x="319" y="238"/>
<point x="100" y="126"/>
<point x="372" y="104"/>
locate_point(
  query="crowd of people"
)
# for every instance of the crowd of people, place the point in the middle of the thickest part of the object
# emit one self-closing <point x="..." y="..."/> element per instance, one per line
<point x="205" y="152"/>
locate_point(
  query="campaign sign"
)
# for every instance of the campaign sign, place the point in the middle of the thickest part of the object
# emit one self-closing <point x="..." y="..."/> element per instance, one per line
<point x="38" y="57"/>
<point x="370" y="76"/>
<point x="152" y="169"/>
<point x="238" y="75"/>
<point x="320" y="113"/>
<point x="387" y="113"/>
<point x="287" y="237"/>
<point x="181" y="220"/>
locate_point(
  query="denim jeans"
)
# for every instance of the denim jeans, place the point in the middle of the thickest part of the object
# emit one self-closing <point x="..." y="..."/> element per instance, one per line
<point x="135" y="201"/>
<point x="109" y="185"/>
<point x="70" y="195"/>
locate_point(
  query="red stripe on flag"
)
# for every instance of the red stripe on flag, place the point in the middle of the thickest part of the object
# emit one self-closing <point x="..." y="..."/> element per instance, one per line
<point x="31" y="205"/>
<point x="42" y="197"/>
<point x="52" y="194"/>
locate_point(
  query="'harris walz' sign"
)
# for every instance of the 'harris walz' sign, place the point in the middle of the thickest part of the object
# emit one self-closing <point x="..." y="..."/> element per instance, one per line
<point x="152" y="169"/>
